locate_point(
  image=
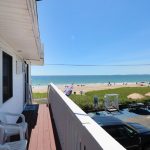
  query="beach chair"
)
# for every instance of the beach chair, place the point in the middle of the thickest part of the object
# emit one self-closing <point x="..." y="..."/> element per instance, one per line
<point x="16" y="145"/>
<point x="14" y="129"/>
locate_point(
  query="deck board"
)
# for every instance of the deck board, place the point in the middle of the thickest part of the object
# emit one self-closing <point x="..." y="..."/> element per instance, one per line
<point x="42" y="135"/>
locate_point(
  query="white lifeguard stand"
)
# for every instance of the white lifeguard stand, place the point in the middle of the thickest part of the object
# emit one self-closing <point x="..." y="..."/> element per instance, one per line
<point x="111" y="102"/>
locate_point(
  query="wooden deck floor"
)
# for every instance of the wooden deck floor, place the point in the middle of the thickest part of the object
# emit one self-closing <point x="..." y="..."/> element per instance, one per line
<point x="41" y="135"/>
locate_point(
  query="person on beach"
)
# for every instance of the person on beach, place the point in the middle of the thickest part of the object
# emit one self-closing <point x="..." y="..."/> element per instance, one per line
<point x="81" y="92"/>
<point x="109" y="84"/>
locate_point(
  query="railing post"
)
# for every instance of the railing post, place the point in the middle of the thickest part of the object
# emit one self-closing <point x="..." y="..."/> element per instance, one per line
<point x="48" y="94"/>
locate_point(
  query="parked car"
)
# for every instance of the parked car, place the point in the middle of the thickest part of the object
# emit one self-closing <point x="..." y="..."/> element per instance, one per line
<point x="132" y="136"/>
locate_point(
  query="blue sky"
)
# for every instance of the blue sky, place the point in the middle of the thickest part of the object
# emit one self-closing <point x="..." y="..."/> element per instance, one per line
<point x="102" y="32"/>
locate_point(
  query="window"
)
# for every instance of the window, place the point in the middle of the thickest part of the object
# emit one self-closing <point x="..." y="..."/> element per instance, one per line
<point x="114" y="131"/>
<point x="120" y="131"/>
<point x="7" y="77"/>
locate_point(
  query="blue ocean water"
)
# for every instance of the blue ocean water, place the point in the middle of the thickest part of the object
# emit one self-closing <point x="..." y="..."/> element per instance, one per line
<point x="83" y="79"/>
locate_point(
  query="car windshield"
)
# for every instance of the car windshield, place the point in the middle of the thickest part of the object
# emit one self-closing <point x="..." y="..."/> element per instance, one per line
<point x="120" y="131"/>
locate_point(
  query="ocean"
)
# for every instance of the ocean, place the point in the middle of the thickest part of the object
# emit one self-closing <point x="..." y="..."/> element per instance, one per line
<point x="85" y="79"/>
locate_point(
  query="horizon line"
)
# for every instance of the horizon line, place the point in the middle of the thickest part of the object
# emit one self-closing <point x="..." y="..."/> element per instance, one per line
<point x="93" y="75"/>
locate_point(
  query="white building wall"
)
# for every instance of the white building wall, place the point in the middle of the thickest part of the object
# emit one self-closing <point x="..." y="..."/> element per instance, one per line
<point x="14" y="104"/>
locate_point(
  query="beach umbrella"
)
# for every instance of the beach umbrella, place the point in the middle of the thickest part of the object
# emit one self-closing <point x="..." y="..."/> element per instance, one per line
<point x="147" y="94"/>
<point x="135" y="96"/>
<point x="68" y="90"/>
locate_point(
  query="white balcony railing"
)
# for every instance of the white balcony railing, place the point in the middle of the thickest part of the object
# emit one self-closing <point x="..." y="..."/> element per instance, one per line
<point x="76" y="130"/>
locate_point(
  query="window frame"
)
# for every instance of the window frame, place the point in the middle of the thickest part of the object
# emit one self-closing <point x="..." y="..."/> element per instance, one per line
<point x="7" y="76"/>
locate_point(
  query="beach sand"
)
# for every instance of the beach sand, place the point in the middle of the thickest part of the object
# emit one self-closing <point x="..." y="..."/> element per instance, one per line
<point x="86" y="87"/>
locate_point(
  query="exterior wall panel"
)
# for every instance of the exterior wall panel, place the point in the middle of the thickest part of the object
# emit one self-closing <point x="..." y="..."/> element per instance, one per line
<point x="14" y="104"/>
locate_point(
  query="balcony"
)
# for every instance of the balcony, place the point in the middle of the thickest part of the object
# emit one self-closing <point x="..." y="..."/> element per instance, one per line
<point x="41" y="132"/>
<point x="65" y="121"/>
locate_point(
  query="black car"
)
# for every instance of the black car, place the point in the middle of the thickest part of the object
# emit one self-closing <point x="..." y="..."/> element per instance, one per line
<point x="132" y="136"/>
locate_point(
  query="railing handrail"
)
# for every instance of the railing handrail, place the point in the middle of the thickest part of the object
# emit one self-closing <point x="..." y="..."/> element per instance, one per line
<point x="89" y="130"/>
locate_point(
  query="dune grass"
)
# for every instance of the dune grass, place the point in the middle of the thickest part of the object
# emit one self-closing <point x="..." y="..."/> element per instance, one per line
<point x="39" y="98"/>
<point x="86" y="101"/>
<point x="39" y="95"/>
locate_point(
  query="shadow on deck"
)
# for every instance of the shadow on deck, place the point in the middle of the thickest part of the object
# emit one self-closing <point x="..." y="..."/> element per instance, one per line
<point x="41" y="126"/>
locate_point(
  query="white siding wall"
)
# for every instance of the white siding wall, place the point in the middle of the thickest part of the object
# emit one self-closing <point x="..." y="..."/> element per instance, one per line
<point x="15" y="103"/>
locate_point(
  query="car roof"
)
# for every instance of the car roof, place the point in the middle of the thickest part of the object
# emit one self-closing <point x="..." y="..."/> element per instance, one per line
<point x="107" y="120"/>
<point x="140" y="128"/>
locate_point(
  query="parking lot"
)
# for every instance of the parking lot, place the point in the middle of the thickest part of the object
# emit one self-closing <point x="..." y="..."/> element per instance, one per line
<point x="141" y="116"/>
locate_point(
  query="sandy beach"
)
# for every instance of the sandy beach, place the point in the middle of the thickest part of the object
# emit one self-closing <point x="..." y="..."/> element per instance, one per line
<point x="86" y="87"/>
